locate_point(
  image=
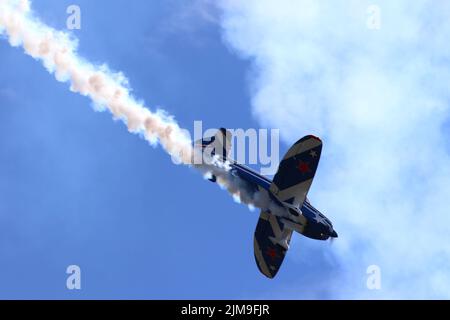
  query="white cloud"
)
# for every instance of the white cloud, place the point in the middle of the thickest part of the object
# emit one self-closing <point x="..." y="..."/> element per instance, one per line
<point x="380" y="101"/>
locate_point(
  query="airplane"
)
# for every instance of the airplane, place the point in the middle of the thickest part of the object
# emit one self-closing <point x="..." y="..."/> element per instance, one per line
<point x="288" y="195"/>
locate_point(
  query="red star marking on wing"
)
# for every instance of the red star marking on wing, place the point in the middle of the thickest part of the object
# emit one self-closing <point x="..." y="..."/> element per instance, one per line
<point x="303" y="167"/>
<point x="272" y="253"/>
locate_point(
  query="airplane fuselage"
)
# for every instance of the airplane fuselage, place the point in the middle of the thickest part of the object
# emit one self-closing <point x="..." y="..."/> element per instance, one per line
<point x="306" y="220"/>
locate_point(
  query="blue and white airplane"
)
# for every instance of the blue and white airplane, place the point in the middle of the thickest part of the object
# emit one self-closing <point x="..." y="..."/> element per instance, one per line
<point x="290" y="209"/>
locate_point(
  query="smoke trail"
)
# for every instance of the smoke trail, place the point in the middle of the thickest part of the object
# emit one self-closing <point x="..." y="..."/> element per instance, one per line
<point x="57" y="51"/>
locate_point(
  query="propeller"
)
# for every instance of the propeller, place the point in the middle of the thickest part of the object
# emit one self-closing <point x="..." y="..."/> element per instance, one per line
<point x="333" y="237"/>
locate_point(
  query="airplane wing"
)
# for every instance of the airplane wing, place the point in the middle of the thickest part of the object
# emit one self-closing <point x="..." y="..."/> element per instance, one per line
<point x="296" y="171"/>
<point x="290" y="185"/>
<point x="271" y="242"/>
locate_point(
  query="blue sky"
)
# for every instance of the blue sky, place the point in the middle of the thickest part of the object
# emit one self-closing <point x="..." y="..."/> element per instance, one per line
<point x="77" y="188"/>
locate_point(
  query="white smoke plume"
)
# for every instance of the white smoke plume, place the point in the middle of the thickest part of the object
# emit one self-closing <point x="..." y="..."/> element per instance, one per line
<point x="378" y="96"/>
<point x="58" y="52"/>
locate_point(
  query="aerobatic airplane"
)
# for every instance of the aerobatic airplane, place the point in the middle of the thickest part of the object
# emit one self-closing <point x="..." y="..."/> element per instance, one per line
<point x="290" y="209"/>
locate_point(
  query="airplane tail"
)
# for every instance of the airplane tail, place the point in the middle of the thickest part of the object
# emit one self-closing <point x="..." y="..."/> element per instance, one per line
<point x="219" y="144"/>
